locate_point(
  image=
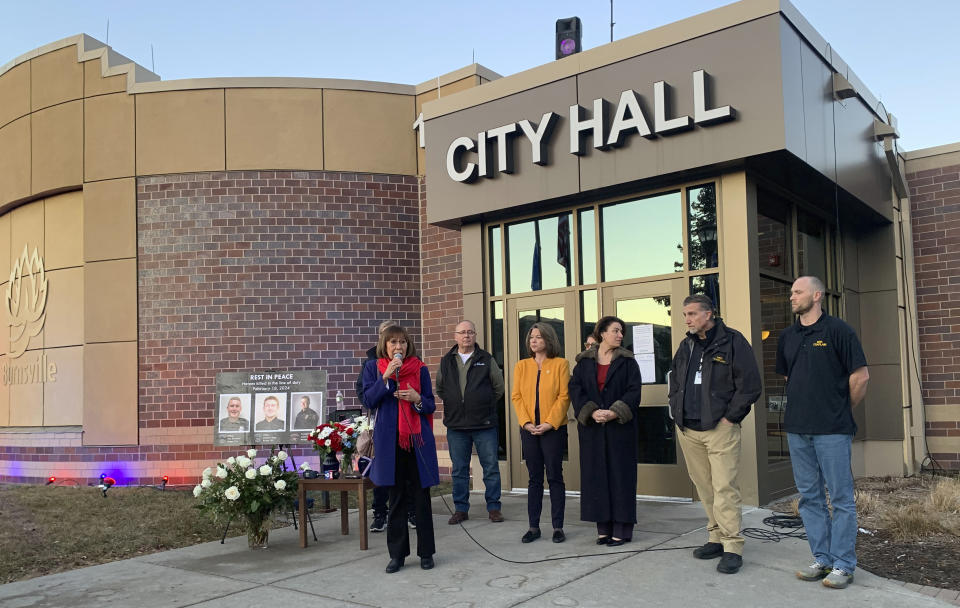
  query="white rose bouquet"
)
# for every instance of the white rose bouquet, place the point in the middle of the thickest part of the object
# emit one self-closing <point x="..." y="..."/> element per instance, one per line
<point x="241" y="488"/>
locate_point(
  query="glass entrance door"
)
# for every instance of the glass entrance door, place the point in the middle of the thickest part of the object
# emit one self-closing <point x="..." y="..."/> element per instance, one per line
<point x="653" y="313"/>
<point x="559" y="310"/>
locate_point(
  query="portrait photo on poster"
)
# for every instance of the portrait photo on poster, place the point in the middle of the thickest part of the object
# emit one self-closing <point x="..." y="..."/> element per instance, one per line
<point x="269" y="409"/>
<point x="234" y="413"/>
<point x="305" y="409"/>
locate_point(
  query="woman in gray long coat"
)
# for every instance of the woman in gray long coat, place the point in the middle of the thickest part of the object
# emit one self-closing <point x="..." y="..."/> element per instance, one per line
<point x="605" y="392"/>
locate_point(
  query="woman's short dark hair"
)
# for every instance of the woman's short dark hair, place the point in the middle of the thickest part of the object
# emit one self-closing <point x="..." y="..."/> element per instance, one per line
<point x="604" y="323"/>
<point x="549" y="338"/>
<point x="388" y="334"/>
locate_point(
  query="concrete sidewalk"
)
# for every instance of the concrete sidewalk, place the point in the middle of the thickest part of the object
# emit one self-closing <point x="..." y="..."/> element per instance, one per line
<point x="335" y="572"/>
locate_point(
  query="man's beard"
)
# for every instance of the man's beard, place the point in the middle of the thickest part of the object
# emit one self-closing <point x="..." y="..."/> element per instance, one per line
<point x="800" y="309"/>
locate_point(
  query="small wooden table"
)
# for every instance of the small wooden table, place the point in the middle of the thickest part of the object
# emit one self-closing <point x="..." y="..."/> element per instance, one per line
<point x="344" y="486"/>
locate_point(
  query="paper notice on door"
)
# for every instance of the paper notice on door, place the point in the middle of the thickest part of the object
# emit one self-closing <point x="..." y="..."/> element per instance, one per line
<point x="648" y="368"/>
<point x="643" y="338"/>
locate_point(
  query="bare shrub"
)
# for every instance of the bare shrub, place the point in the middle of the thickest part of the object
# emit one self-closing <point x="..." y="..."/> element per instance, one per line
<point x="911" y="521"/>
<point x="868" y="503"/>
<point x="945" y="496"/>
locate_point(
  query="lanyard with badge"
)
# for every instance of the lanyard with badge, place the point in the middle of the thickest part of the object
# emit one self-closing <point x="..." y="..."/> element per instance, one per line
<point x="697" y="379"/>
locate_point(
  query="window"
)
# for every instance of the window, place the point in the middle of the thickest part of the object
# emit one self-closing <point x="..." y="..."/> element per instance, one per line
<point x="702" y="227"/>
<point x="775" y="316"/>
<point x="642" y="237"/>
<point x="538" y="254"/>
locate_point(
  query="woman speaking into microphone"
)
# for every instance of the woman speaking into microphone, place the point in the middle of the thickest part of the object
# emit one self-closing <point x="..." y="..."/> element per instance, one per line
<point x="397" y="385"/>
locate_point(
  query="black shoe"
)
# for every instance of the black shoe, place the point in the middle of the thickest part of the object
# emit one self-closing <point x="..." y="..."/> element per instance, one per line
<point x="708" y="551"/>
<point x="730" y="563"/>
<point x="616" y="542"/>
<point x="530" y="536"/>
<point x="412" y="521"/>
<point x="603" y="540"/>
<point x="559" y="536"/>
<point x="394" y="565"/>
<point x="426" y="563"/>
<point x="379" y="523"/>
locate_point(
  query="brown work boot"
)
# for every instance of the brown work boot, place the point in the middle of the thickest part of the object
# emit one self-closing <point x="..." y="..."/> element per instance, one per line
<point x="457" y="517"/>
<point x="496" y="516"/>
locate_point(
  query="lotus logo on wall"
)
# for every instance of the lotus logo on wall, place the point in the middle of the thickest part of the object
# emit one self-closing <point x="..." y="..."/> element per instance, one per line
<point x="26" y="300"/>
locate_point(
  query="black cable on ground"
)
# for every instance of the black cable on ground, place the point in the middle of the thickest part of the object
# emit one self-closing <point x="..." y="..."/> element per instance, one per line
<point x="554" y="559"/>
<point x="781" y="525"/>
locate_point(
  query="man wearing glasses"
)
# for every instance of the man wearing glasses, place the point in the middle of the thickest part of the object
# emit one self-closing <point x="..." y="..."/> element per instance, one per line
<point x="470" y="384"/>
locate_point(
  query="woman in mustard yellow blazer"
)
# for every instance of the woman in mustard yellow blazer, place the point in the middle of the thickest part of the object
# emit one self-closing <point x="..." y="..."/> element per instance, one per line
<point x="540" y="400"/>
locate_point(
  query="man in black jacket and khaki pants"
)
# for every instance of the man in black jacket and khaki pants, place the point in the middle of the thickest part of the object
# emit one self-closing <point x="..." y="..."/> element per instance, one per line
<point x="714" y="380"/>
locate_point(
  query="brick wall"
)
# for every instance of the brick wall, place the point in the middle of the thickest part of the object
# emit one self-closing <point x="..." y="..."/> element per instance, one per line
<point x="935" y="207"/>
<point x="442" y="302"/>
<point x="244" y="271"/>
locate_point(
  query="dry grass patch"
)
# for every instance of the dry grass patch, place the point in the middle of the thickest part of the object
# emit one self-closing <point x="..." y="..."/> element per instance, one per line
<point x="51" y="529"/>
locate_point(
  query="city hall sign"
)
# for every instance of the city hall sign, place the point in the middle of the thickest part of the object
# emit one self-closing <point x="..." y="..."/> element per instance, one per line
<point x="606" y="130"/>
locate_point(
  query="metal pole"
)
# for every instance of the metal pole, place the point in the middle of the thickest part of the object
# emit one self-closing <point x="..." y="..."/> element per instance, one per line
<point x="611" y="20"/>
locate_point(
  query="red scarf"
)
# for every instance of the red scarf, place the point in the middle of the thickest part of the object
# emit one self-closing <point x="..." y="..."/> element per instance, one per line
<point x="408" y="418"/>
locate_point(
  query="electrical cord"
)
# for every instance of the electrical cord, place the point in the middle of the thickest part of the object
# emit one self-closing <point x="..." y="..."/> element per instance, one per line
<point x="652" y="548"/>
<point x="782" y="525"/>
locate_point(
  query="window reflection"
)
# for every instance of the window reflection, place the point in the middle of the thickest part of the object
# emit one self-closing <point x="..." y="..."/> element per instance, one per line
<point x="656" y="313"/>
<point x="588" y="247"/>
<point x="702" y="227"/>
<point x="657" y="443"/>
<point x="496" y="350"/>
<point x="811" y="246"/>
<point x="642" y="237"/>
<point x="588" y="314"/>
<point x="775" y="316"/>
<point x="708" y="285"/>
<point x="496" y="262"/>
<point x="538" y="254"/>
<point x="772" y="234"/>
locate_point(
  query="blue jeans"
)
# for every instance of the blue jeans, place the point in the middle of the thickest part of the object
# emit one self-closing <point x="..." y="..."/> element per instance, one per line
<point x="461" y="446"/>
<point x="824" y="461"/>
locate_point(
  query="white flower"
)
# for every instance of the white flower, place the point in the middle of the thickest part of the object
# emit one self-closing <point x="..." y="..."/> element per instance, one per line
<point x="327" y="443"/>
<point x="221" y="472"/>
<point x="232" y="493"/>
<point x="206" y="472"/>
<point x="231" y="460"/>
<point x="243" y="461"/>
<point x="266" y="470"/>
<point x="250" y="474"/>
<point x="305" y="466"/>
<point x="205" y="483"/>
<point x="326" y="432"/>
<point x="252" y="453"/>
<point x="280" y="484"/>
<point x="282" y="455"/>
<point x="196" y="491"/>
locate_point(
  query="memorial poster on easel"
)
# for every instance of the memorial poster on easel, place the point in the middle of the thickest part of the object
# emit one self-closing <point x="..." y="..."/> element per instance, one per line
<point x="275" y="407"/>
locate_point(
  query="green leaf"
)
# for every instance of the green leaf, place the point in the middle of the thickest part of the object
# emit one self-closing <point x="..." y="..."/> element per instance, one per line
<point x="254" y="506"/>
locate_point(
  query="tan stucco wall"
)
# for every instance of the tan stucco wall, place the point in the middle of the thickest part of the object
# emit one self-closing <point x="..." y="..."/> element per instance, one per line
<point x="78" y="125"/>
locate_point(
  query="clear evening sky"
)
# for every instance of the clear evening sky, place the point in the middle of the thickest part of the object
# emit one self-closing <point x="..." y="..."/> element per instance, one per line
<point x="905" y="52"/>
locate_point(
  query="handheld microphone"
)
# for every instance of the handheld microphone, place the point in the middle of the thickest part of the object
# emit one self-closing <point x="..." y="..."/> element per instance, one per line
<point x="398" y="356"/>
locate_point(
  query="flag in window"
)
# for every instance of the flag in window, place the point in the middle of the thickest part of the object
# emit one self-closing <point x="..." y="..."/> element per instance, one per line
<point x="536" y="281"/>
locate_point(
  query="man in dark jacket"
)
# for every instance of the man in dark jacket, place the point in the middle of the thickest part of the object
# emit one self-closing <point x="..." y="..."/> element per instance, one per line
<point x="380" y="493"/>
<point x="470" y="384"/>
<point x="713" y="381"/>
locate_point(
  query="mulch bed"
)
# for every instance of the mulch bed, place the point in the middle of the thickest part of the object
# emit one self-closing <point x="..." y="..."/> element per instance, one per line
<point x="934" y="561"/>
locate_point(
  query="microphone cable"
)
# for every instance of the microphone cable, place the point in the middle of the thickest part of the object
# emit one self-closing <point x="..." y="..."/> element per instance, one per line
<point x="652" y="548"/>
<point x="782" y="525"/>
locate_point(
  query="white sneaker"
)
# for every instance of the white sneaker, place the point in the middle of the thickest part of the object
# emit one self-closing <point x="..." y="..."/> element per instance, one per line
<point x="813" y="572"/>
<point x="838" y="579"/>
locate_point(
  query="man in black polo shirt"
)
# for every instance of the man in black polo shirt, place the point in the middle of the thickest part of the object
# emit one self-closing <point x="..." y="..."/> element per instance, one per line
<point x="826" y="372"/>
